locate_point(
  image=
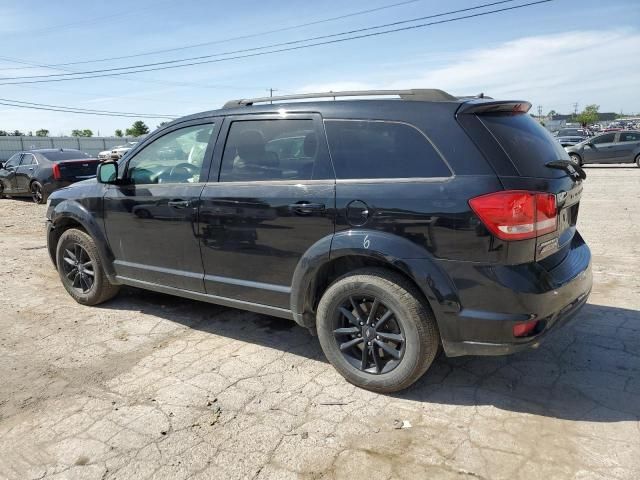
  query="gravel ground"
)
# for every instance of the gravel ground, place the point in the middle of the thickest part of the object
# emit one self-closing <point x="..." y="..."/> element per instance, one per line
<point x="151" y="386"/>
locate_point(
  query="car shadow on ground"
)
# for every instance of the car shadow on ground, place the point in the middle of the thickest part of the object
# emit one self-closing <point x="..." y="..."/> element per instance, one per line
<point x="587" y="371"/>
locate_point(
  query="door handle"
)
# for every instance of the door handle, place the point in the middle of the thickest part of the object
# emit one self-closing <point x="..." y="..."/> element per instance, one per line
<point x="306" y="208"/>
<point x="179" y="203"/>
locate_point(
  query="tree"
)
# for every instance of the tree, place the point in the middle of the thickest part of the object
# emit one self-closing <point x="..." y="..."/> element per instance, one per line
<point x="119" y="133"/>
<point x="138" y="129"/>
<point x="43" y="132"/>
<point x="3" y="133"/>
<point x="82" y="133"/>
<point x="162" y="124"/>
<point x="18" y="133"/>
<point x="589" y="115"/>
<point x="552" y="113"/>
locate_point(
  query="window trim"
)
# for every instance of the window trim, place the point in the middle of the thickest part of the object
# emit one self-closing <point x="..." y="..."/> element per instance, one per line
<point x="395" y="179"/>
<point x="225" y="127"/>
<point x="208" y="154"/>
<point x="35" y="160"/>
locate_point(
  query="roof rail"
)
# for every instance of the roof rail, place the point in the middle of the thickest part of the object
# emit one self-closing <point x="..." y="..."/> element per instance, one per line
<point x="420" y="94"/>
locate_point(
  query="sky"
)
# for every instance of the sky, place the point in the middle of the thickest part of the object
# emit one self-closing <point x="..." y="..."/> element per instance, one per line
<point x="553" y="54"/>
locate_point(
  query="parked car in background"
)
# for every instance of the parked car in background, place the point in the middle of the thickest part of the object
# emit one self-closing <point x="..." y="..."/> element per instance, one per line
<point x="388" y="227"/>
<point x="118" y="152"/>
<point x="571" y="136"/>
<point x="38" y="173"/>
<point x="105" y="154"/>
<point x="609" y="147"/>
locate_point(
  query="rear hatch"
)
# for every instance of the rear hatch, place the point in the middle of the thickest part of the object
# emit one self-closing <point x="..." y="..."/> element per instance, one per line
<point x="77" y="169"/>
<point x="526" y="157"/>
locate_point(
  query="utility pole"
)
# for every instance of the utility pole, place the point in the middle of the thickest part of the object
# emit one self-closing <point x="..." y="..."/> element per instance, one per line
<point x="575" y="108"/>
<point x="539" y="111"/>
<point x="271" y="90"/>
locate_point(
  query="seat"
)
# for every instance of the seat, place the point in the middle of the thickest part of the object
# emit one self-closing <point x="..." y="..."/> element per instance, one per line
<point x="253" y="161"/>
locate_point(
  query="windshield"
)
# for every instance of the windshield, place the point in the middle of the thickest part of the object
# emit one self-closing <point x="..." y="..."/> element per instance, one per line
<point x="528" y="144"/>
<point x="61" y="155"/>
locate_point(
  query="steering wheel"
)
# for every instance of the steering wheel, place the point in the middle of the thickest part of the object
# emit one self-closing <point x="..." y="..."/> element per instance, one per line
<point x="189" y="170"/>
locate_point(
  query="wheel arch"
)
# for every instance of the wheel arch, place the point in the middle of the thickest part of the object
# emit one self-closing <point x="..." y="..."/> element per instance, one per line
<point x="332" y="257"/>
<point x="70" y="214"/>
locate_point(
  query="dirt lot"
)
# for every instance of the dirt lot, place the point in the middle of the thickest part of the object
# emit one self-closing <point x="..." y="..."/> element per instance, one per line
<point x="151" y="386"/>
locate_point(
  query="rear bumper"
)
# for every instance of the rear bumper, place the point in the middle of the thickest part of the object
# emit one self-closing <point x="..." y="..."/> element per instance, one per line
<point x="495" y="298"/>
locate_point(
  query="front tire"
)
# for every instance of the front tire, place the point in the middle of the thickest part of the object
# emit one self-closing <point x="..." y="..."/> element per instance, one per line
<point x="376" y="331"/>
<point x="637" y="161"/>
<point x="576" y="159"/>
<point x="81" y="270"/>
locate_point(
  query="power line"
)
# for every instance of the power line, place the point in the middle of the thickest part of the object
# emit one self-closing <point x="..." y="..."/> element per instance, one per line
<point x="85" y="111"/>
<point x="227" y="40"/>
<point x="55" y="78"/>
<point x="263" y="47"/>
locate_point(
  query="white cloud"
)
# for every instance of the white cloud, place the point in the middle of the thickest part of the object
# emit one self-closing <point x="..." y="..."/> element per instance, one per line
<point x="551" y="70"/>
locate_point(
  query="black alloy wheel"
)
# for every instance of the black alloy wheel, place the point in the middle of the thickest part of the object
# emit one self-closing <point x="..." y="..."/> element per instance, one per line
<point x="369" y="335"/>
<point x="36" y="193"/>
<point x="78" y="268"/>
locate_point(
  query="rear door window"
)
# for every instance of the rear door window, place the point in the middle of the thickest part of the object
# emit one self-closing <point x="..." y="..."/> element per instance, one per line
<point x="630" y="137"/>
<point x="378" y="149"/>
<point x="527" y="143"/>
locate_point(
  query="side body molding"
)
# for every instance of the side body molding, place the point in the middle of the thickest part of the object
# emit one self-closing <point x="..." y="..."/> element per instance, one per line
<point x="71" y="210"/>
<point x="398" y="252"/>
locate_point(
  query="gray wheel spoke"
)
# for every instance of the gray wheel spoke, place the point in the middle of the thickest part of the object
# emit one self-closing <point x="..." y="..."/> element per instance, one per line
<point x="347" y="345"/>
<point x="72" y="272"/>
<point x="376" y="359"/>
<point x="374" y="309"/>
<point x="357" y="308"/>
<point x="394" y="337"/>
<point x="346" y="331"/>
<point x="76" y="280"/>
<point x="387" y="315"/>
<point x="391" y="351"/>
<point x="69" y="261"/>
<point x="71" y="255"/>
<point x="352" y="320"/>
<point x="365" y="357"/>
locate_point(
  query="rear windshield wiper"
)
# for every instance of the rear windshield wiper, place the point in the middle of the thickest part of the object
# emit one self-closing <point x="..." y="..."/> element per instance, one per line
<point x="576" y="171"/>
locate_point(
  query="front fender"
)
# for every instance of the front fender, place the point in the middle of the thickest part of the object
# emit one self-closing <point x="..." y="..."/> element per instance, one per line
<point x="398" y="252"/>
<point x="72" y="212"/>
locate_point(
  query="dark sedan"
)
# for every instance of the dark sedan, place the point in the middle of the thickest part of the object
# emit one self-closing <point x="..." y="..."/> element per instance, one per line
<point x="37" y="173"/>
<point x="571" y="136"/>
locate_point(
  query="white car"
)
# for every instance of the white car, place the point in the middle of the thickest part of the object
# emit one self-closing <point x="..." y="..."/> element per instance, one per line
<point x="118" y="152"/>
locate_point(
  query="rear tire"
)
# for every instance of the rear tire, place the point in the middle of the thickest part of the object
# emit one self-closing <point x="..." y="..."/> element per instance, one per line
<point x="37" y="193"/>
<point x="81" y="270"/>
<point x="351" y="318"/>
<point x="637" y="163"/>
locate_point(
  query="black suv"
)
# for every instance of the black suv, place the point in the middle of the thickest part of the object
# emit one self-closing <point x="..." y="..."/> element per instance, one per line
<point x="388" y="226"/>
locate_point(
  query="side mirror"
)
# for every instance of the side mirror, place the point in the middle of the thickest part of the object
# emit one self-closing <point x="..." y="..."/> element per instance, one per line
<point x="107" y="172"/>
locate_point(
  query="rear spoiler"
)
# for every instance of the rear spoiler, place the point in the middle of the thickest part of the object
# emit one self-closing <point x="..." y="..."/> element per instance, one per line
<point x="480" y="106"/>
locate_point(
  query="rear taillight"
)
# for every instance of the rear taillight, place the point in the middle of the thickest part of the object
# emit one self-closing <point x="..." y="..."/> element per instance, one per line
<point x="525" y="329"/>
<point x="56" y="172"/>
<point x="517" y="214"/>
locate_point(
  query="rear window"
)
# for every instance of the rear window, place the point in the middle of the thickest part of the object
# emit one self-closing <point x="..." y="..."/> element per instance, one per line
<point x="60" y="156"/>
<point x="374" y="149"/>
<point x="528" y="144"/>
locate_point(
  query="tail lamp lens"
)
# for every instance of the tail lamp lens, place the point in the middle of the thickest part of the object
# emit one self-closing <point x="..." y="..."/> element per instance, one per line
<point x="516" y="214"/>
<point x="524" y="329"/>
<point x="56" y="172"/>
